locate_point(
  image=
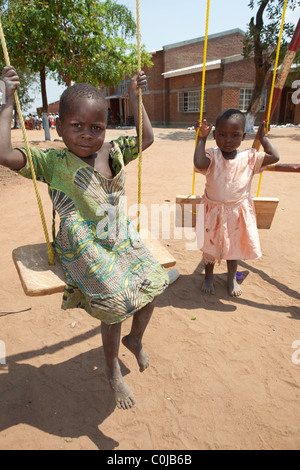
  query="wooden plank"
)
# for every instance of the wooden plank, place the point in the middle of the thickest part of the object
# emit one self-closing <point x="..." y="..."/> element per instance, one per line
<point x="37" y="277"/>
<point x="159" y="252"/>
<point x="265" y="210"/>
<point x="284" y="167"/>
<point x="186" y="210"/>
<point x="40" y="279"/>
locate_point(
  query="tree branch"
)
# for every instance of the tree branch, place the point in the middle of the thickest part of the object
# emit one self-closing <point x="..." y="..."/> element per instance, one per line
<point x="260" y="13"/>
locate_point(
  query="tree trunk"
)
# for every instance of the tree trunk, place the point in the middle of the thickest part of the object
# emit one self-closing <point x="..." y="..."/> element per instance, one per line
<point x="262" y="66"/>
<point x="44" y="90"/>
<point x="45" y="104"/>
<point x="255" y="105"/>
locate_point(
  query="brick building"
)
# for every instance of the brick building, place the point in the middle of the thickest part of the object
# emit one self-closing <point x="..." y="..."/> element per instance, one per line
<point x="53" y="108"/>
<point x="173" y="94"/>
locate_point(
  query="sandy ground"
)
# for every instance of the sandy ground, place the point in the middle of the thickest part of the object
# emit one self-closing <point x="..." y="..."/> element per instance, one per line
<point x="223" y="374"/>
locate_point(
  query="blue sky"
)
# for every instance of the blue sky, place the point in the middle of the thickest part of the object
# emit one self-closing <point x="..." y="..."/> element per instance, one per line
<point x="165" y="22"/>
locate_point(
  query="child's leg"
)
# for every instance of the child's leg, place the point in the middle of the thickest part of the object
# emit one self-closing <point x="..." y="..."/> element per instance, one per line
<point x="233" y="286"/>
<point x="133" y="341"/>
<point x="208" y="284"/>
<point x="111" y="335"/>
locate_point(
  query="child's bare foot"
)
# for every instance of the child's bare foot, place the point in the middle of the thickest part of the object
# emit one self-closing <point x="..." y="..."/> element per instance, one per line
<point x="123" y="395"/>
<point x="208" y="286"/>
<point x="234" y="288"/>
<point x="138" y="350"/>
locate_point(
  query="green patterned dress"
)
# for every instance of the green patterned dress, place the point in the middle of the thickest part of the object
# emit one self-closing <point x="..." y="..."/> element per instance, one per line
<point x="109" y="271"/>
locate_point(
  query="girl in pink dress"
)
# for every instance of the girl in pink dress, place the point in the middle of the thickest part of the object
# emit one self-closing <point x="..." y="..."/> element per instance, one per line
<point x="230" y="229"/>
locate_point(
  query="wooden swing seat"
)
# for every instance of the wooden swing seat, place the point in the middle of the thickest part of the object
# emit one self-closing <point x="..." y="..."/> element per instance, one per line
<point x="186" y="211"/>
<point x="265" y="208"/>
<point x="39" y="279"/>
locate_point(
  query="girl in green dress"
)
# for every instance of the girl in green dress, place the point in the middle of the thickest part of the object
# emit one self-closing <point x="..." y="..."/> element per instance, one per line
<point x="110" y="273"/>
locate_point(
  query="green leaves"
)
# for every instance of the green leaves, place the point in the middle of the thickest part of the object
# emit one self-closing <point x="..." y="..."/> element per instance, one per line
<point x="261" y="40"/>
<point x="76" y="40"/>
<point x="265" y="26"/>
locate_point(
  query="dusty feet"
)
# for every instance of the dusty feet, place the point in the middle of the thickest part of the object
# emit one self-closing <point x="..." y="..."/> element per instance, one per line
<point x="208" y="286"/>
<point x="137" y="349"/>
<point x="123" y="395"/>
<point x="234" y="288"/>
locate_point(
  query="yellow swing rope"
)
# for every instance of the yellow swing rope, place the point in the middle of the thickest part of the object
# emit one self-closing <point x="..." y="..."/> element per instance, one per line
<point x="7" y="61"/>
<point x="203" y="83"/>
<point x="140" y="164"/>
<point x="273" y="83"/>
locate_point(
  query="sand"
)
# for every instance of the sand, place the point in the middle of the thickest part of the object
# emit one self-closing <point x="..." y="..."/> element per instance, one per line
<point x="224" y="373"/>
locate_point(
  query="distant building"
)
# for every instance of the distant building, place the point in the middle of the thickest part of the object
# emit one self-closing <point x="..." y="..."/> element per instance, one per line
<point x="173" y="94"/>
<point x="52" y="108"/>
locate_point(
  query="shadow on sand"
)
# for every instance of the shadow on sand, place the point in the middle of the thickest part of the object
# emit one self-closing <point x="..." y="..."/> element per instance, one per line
<point x="69" y="400"/>
<point x="189" y="287"/>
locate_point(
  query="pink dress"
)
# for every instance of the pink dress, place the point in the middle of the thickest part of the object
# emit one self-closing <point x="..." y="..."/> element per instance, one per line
<point x="230" y="229"/>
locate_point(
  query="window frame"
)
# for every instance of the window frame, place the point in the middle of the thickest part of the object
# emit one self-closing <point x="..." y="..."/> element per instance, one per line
<point x="189" y="101"/>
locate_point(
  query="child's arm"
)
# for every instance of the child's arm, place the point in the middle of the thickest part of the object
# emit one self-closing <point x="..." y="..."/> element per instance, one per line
<point x="201" y="161"/>
<point x="13" y="159"/>
<point x="272" y="155"/>
<point x="140" y="81"/>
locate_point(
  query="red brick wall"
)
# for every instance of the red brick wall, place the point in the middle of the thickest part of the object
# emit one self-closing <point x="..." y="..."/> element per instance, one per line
<point x="189" y="54"/>
<point x="223" y="84"/>
<point x="154" y="98"/>
<point x="53" y="108"/>
<point x="162" y="105"/>
<point x="219" y="95"/>
<point x="239" y="72"/>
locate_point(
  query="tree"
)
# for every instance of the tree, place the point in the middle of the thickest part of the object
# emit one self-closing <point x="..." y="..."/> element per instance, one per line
<point x="28" y="84"/>
<point x="74" y="40"/>
<point x="261" y="42"/>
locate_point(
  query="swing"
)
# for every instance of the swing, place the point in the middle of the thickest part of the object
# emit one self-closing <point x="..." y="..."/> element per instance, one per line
<point x="265" y="208"/>
<point x="37" y="265"/>
<point x="186" y="206"/>
<point x="38" y="278"/>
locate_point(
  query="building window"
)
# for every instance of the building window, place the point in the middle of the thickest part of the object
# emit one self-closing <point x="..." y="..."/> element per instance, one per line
<point x="245" y="99"/>
<point x="104" y="91"/>
<point x="123" y="87"/>
<point x="190" y="101"/>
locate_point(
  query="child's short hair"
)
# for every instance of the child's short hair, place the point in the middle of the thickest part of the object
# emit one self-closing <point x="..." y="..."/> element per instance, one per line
<point x="229" y="113"/>
<point x="79" y="91"/>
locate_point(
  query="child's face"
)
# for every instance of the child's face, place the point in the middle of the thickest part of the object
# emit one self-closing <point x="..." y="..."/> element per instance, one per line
<point x="83" y="127"/>
<point x="229" y="134"/>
